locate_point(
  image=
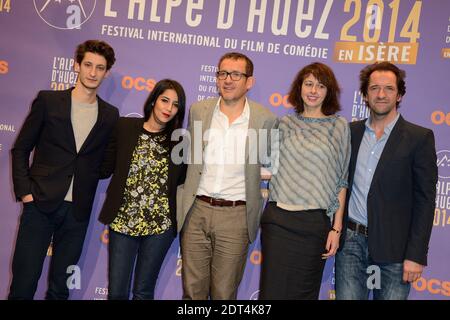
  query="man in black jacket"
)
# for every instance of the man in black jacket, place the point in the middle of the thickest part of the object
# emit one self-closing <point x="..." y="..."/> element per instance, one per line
<point x="391" y="199"/>
<point x="68" y="131"/>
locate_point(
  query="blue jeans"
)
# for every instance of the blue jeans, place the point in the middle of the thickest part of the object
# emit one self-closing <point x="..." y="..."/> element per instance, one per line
<point x="356" y="273"/>
<point x="35" y="233"/>
<point x="144" y="255"/>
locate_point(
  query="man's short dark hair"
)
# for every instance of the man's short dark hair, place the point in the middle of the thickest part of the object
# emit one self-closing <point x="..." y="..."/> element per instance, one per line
<point x="98" y="47"/>
<point x="364" y="76"/>
<point x="237" y="56"/>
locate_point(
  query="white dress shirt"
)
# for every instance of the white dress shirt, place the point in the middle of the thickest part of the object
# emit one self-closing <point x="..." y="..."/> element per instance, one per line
<point x="223" y="174"/>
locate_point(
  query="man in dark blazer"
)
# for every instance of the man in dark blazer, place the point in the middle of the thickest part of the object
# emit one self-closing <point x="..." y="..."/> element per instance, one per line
<point x="68" y="132"/>
<point x="391" y="199"/>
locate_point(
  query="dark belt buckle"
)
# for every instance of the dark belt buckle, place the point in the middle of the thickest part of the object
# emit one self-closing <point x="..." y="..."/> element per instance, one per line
<point x="358" y="228"/>
<point x="216" y="202"/>
<point x="361" y="229"/>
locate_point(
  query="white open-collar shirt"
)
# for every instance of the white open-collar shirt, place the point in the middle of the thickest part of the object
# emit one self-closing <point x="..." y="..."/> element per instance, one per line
<point x="223" y="174"/>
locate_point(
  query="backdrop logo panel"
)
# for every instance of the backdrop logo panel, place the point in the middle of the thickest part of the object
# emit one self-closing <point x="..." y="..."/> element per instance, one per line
<point x="443" y="162"/>
<point x="442" y="211"/>
<point x="254" y="295"/>
<point x="4" y="67"/>
<point x="277" y="99"/>
<point x="183" y="40"/>
<point x="359" y="107"/>
<point x="65" y="14"/>
<point x="101" y="293"/>
<point x="378" y="46"/>
<point x="138" y="83"/>
<point x="7" y="127"/>
<point x="63" y="73"/>
<point x="434" y="286"/>
<point x="439" y="117"/>
<point x="134" y="114"/>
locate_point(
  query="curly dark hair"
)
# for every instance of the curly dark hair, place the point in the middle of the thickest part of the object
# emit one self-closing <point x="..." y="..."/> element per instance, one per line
<point x="324" y="75"/>
<point x="98" y="47"/>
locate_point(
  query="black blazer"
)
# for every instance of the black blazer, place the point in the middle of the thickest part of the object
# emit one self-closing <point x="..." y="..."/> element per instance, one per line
<point x="48" y="130"/>
<point x="118" y="161"/>
<point x="401" y="198"/>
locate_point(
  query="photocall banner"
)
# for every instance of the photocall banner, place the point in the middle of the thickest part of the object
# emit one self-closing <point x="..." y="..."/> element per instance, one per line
<point x="183" y="40"/>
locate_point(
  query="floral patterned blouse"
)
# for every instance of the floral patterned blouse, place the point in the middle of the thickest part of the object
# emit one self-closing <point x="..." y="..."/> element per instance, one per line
<point x="145" y="207"/>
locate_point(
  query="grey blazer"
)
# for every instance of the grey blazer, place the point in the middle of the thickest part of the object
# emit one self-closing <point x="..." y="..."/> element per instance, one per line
<point x="202" y="112"/>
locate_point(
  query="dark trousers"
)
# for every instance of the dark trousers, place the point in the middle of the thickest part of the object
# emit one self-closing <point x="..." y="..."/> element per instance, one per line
<point x="36" y="231"/>
<point x="292" y="245"/>
<point x="144" y="255"/>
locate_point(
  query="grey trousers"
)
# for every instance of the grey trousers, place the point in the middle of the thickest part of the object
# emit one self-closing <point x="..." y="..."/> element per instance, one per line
<point x="214" y="246"/>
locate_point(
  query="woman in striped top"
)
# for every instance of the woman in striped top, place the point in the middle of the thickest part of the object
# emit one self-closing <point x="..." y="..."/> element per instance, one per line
<point x="302" y="221"/>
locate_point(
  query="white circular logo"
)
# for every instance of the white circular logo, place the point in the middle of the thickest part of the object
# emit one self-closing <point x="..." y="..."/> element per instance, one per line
<point x="254" y="295"/>
<point x="64" y="14"/>
<point x="443" y="163"/>
<point x="134" y="114"/>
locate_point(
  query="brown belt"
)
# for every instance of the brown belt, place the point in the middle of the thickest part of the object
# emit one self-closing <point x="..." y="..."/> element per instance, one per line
<point x="221" y="202"/>
<point x="359" y="228"/>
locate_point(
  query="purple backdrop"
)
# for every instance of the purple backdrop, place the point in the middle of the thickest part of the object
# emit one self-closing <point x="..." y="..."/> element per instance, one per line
<point x="183" y="40"/>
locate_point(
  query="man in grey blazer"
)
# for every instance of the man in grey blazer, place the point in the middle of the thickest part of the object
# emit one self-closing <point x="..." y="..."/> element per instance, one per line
<point x="220" y="203"/>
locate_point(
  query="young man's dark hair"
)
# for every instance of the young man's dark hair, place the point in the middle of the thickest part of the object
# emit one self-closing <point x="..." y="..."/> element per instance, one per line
<point x="98" y="47"/>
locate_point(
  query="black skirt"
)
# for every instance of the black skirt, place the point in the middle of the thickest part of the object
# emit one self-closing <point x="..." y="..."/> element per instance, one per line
<point x="292" y="246"/>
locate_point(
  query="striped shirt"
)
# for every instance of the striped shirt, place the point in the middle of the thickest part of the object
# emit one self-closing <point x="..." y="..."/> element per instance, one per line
<point x="312" y="165"/>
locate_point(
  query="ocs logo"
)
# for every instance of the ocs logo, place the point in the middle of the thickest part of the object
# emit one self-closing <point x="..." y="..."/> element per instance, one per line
<point x="4" y="68"/>
<point x="443" y="163"/>
<point x="64" y="14"/>
<point x="104" y="237"/>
